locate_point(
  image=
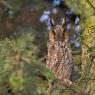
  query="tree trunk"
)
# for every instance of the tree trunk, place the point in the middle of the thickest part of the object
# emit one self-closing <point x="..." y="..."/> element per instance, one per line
<point x="88" y="56"/>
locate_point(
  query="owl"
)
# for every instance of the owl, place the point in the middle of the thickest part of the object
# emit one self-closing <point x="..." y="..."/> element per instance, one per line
<point x="59" y="56"/>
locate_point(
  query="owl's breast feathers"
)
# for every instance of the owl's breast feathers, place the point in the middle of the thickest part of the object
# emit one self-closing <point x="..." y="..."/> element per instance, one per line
<point x="60" y="59"/>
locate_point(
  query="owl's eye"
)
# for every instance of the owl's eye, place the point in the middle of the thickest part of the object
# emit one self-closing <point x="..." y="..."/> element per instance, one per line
<point x="54" y="32"/>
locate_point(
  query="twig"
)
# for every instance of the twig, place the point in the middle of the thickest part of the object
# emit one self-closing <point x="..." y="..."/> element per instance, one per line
<point x="91" y="4"/>
<point x="5" y="4"/>
<point x="72" y="86"/>
<point x="25" y="59"/>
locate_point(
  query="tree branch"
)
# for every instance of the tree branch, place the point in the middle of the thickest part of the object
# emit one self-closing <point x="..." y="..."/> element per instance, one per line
<point x="91" y="4"/>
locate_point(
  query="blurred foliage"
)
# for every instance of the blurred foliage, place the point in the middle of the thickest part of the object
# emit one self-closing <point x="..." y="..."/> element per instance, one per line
<point x="18" y="63"/>
<point x="11" y="8"/>
<point x="82" y="7"/>
<point x="86" y="8"/>
<point x="89" y="30"/>
<point x="88" y="56"/>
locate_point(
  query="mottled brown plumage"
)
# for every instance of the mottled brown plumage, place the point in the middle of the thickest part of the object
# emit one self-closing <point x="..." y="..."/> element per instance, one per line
<point x="59" y="58"/>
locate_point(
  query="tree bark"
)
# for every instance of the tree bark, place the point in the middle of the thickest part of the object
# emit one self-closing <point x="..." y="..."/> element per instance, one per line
<point x="88" y="56"/>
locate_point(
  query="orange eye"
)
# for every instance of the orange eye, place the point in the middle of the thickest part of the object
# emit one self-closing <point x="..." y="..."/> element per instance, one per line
<point x="54" y="32"/>
<point x="52" y="36"/>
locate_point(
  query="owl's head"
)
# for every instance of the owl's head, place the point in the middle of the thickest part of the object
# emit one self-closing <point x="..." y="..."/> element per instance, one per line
<point x="58" y="32"/>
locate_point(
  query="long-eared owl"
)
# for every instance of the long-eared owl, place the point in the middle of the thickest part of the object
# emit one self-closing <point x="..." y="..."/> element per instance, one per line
<point x="59" y="57"/>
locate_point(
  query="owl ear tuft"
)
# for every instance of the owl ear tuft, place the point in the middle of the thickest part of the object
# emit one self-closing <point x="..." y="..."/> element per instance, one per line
<point x="52" y="23"/>
<point x="63" y="22"/>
